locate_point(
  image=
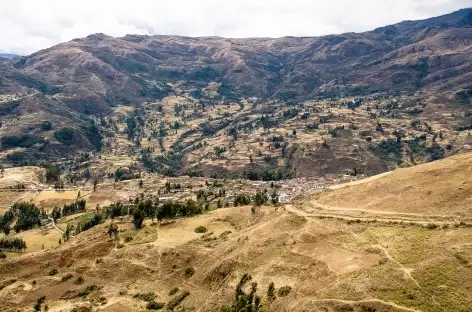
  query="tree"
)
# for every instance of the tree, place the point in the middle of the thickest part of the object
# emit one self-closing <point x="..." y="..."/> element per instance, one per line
<point x="95" y="183"/>
<point x="274" y="198"/>
<point x="67" y="233"/>
<point x="271" y="292"/>
<point x="52" y="173"/>
<point x="138" y="218"/>
<point x="244" y="302"/>
<point x="259" y="199"/>
<point x="113" y="231"/>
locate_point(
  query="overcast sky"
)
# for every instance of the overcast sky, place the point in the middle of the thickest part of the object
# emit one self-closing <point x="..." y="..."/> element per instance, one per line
<point x="29" y="25"/>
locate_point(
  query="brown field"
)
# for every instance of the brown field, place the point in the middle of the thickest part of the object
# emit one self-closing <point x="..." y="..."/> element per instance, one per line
<point x="50" y="199"/>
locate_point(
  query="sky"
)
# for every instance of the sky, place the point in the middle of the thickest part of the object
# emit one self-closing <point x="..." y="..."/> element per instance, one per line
<point x="27" y="26"/>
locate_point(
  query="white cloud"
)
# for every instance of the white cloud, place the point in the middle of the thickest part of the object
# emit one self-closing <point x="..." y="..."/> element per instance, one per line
<point x="27" y="26"/>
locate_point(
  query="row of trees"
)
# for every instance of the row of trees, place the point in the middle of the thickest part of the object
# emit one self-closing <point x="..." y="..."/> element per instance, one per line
<point x="12" y="244"/>
<point x="168" y="210"/>
<point x="75" y="207"/>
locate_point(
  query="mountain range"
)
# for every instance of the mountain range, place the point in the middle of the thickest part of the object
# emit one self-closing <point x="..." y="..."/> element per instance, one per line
<point x="90" y="76"/>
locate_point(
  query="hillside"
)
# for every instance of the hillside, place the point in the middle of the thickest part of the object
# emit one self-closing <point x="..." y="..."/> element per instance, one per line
<point x="438" y="189"/>
<point x="408" y="82"/>
<point x="330" y="262"/>
<point x="431" y="54"/>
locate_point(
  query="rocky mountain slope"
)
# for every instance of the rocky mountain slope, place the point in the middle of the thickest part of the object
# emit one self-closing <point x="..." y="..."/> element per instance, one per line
<point x="89" y="77"/>
<point x="431" y="54"/>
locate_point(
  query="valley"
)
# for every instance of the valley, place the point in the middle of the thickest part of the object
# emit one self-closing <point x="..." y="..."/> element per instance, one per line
<point x="178" y="173"/>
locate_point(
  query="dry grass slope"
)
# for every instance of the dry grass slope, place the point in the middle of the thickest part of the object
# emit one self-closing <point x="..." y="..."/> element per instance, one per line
<point x="439" y="188"/>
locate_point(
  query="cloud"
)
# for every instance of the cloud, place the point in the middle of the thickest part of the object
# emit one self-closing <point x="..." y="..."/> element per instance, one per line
<point x="27" y="26"/>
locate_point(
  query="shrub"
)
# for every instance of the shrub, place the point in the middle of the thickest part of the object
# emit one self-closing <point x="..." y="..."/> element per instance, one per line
<point x="200" y="229"/>
<point x="148" y="297"/>
<point x="64" y="135"/>
<point x="154" y="305"/>
<point x="46" y="125"/>
<point x="39" y="301"/>
<point x="174" y="302"/>
<point x="52" y="173"/>
<point x="284" y="291"/>
<point x="271" y="292"/>
<point x="66" y="277"/>
<point x="53" y="272"/>
<point x="189" y="272"/>
<point x="431" y="226"/>
<point x="173" y="291"/>
<point x="79" y="281"/>
<point x="87" y="290"/>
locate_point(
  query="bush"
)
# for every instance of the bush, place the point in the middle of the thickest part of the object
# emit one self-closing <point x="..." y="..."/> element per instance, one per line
<point x="174" y="302"/>
<point x="138" y="218"/>
<point x="173" y="291"/>
<point x="79" y="281"/>
<point x="66" y="277"/>
<point x="284" y="291"/>
<point x="64" y="135"/>
<point x="53" y="272"/>
<point x="46" y="125"/>
<point x="148" y="297"/>
<point x="200" y="229"/>
<point x="52" y="173"/>
<point x="154" y="305"/>
<point x="87" y="290"/>
<point x="189" y="272"/>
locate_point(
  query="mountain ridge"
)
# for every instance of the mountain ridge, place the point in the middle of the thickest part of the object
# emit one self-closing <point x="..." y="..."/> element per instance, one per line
<point x="91" y="76"/>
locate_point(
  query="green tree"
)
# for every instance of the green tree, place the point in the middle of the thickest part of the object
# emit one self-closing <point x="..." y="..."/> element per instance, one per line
<point x="259" y="199"/>
<point x="113" y="231"/>
<point x="138" y="218"/>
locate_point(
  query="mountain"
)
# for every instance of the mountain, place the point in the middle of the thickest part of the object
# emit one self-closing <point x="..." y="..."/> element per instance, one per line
<point x="91" y="76"/>
<point x="7" y="56"/>
<point x="431" y="54"/>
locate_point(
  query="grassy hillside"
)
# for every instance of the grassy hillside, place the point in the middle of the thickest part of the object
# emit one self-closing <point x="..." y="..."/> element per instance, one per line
<point x="438" y="188"/>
